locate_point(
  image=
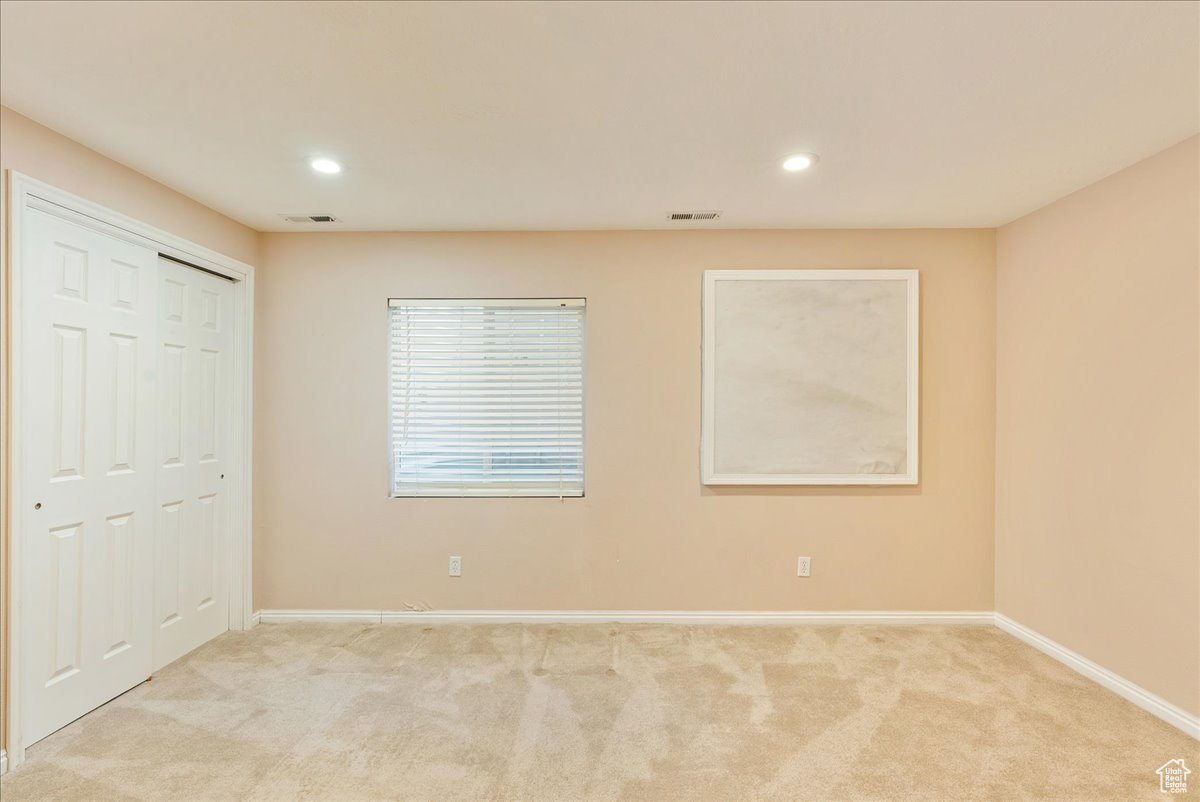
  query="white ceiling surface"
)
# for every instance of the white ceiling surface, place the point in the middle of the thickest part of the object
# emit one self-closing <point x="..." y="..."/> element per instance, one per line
<point x="451" y="116"/>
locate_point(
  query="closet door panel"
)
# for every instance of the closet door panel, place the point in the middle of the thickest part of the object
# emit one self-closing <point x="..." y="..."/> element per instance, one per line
<point x="88" y="463"/>
<point x="195" y="403"/>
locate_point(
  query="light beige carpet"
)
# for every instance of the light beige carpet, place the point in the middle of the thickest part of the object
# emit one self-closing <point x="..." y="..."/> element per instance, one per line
<point x="646" y="712"/>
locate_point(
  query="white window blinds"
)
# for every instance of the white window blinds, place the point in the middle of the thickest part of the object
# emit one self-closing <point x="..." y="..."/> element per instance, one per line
<point x="486" y="397"/>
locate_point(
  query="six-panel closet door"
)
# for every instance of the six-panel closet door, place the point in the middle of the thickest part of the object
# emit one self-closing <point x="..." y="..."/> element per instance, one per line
<point x="88" y="378"/>
<point x="127" y="386"/>
<point x="191" y="599"/>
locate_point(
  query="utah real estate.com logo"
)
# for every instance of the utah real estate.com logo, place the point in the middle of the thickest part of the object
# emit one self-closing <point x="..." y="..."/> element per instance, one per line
<point x="1172" y="777"/>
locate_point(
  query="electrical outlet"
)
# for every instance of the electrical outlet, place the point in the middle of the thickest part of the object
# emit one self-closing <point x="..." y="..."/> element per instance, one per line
<point x="804" y="566"/>
<point x="456" y="566"/>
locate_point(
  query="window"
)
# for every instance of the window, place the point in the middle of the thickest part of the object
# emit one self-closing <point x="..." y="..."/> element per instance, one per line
<point x="486" y="397"/>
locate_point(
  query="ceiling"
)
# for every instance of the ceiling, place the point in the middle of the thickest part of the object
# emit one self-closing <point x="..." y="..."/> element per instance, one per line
<point x="462" y="115"/>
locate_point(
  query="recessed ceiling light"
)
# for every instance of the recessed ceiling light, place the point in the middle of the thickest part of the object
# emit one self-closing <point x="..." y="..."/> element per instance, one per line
<point x="800" y="161"/>
<point x="325" y="166"/>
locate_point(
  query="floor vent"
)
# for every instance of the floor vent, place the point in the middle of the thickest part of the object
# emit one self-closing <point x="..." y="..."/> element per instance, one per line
<point x="680" y="216"/>
<point x="310" y="218"/>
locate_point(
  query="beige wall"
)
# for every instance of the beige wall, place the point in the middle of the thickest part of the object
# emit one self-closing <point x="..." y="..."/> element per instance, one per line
<point x="40" y="153"/>
<point x="1098" y="439"/>
<point x="648" y="535"/>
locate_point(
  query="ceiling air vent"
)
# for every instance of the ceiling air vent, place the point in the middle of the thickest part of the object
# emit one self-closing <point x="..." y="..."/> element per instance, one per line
<point x="680" y="216"/>
<point x="310" y="218"/>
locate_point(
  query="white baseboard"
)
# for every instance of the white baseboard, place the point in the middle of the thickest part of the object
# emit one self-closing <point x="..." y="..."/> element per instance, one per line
<point x="325" y="616"/>
<point x="631" y="616"/>
<point x="3" y="762"/>
<point x="1155" y="705"/>
<point x="732" y="617"/>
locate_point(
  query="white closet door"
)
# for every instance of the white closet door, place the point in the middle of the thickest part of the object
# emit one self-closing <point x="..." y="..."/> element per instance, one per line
<point x="195" y="402"/>
<point x="87" y="382"/>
